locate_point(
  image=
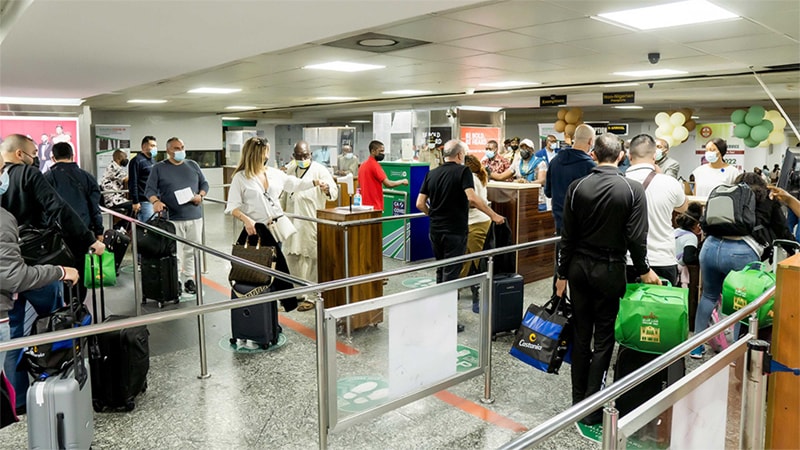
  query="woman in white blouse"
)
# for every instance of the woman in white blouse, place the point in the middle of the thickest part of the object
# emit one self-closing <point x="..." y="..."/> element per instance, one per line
<point x="716" y="172"/>
<point x="253" y="199"/>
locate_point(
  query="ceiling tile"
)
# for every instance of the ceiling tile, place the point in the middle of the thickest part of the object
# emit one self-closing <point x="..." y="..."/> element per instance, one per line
<point x="708" y="32"/>
<point x="546" y="53"/>
<point x="764" y="41"/>
<point x="786" y="54"/>
<point x="572" y="30"/>
<point x="436" y="29"/>
<point x="497" y="42"/>
<point x="501" y="62"/>
<point x="436" y="52"/>
<point x="515" y="14"/>
<point x="635" y="48"/>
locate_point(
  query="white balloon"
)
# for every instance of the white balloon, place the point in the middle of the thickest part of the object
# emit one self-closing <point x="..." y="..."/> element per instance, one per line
<point x="662" y="118"/>
<point x="764" y="143"/>
<point x="771" y="114"/>
<point x="680" y="133"/>
<point x="776" y="137"/>
<point x="664" y="131"/>
<point x="677" y="119"/>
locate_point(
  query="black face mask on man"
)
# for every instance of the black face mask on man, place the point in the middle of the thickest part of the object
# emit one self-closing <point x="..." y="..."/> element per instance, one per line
<point x="124" y="162"/>
<point x="36" y="162"/>
<point x="379" y="157"/>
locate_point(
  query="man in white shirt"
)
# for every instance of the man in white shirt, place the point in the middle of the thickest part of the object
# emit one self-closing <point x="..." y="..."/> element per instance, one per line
<point x="301" y="248"/>
<point x="664" y="195"/>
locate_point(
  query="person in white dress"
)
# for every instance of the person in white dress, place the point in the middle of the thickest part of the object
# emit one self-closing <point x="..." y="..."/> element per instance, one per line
<point x="301" y="248"/>
<point x="716" y="171"/>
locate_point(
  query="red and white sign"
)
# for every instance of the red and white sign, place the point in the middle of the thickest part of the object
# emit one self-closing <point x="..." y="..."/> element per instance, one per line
<point x="477" y="137"/>
<point x="45" y="131"/>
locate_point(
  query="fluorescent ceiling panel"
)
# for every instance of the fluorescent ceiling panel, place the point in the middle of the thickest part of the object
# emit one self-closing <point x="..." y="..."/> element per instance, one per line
<point x="508" y="84"/>
<point x="147" y="101"/>
<point x="240" y="108"/>
<point x="344" y="66"/>
<point x="41" y="101"/>
<point x="407" y="92"/>
<point x="213" y="90"/>
<point x="668" y="15"/>
<point x="650" y="73"/>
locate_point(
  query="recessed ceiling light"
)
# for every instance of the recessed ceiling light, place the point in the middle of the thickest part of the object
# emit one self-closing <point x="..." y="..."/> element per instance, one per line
<point x="481" y="108"/>
<point x="620" y="84"/>
<point x="407" y="92"/>
<point x="360" y="121"/>
<point x="230" y="118"/>
<point x="240" y="108"/>
<point x="213" y="90"/>
<point x="379" y="42"/>
<point x="629" y="107"/>
<point x="508" y="84"/>
<point x="41" y="101"/>
<point x="145" y="100"/>
<point x="344" y="66"/>
<point x="668" y="15"/>
<point x="335" y="98"/>
<point x="650" y="73"/>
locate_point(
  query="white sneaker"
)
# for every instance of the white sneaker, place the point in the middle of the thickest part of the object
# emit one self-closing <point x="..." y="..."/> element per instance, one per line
<point x="250" y="345"/>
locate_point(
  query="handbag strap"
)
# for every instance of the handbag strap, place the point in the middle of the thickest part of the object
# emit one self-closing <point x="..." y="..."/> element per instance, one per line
<point x="649" y="178"/>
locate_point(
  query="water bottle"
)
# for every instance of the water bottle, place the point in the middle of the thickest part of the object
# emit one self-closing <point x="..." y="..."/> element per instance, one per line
<point x="357" y="198"/>
<point x="542" y="200"/>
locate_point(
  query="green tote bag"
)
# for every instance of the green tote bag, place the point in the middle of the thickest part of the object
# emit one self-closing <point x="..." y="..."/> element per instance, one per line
<point x="743" y="286"/>
<point x="106" y="264"/>
<point x="652" y="318"/>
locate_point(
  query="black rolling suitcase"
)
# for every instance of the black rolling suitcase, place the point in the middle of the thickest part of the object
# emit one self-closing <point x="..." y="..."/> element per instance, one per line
<point x="629" y="360"/>
<point x="507" y="303"/>
<point x="117" y="242"/>
<point x="160" y="279"/>
<point x="153" y="244"/>
<point x="257" y="323"/>
<point x="119" y="361"/>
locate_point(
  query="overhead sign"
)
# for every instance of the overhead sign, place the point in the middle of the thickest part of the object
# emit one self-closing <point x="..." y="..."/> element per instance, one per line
<point x="477" y="137"/>
<point x="553" y="100"/>
<point x="620" y="129"/>
<point x="618" y="98"/>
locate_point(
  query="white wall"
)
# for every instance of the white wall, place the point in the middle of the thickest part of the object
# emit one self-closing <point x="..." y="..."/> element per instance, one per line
<point x="198" y="131"/>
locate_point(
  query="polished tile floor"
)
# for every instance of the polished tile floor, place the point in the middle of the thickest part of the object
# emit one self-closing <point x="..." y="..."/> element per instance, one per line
<point x="260" y="400"/>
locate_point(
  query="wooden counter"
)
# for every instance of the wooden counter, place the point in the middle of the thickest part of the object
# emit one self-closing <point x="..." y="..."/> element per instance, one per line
<point x="364" y="255"/>
<point x="519" y="203"/>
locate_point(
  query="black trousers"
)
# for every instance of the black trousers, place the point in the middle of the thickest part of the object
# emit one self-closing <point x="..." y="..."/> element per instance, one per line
<point x="448" y="245"/>
<point x="669" y="273"/>
<point x="596" y="287"/>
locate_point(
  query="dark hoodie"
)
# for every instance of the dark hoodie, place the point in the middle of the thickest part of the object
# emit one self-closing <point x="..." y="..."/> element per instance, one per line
<point x="568" y="165"/>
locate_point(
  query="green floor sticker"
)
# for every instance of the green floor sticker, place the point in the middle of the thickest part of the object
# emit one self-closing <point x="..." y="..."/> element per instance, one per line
<point x="360" y="393"/>
<point x="467" y="358"/>
<point x="419" y="282"/>
<point x="595" y="433"/>
<point x="225" y="344"/>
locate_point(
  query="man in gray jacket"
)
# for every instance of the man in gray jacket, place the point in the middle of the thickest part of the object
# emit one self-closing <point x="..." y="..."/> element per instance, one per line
<point x="39" y="285"/>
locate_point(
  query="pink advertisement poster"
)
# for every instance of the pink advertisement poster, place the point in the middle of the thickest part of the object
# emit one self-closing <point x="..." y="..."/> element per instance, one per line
<point x="45" y="131"/>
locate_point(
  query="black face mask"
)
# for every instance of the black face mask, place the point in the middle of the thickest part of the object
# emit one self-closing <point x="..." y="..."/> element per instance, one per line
<point x="514" y="147"/>
<point x="36" y="162"/>
<point x="380" y="157"/>
<point x="525" y="154"/>
<point x="124" y="162"/>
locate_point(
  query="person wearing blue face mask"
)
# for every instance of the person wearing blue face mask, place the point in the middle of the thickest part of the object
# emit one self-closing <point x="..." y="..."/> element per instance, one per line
<point x="178" y="185"/>
<point x="138" y="173"/>
<point x="495" y="164"/>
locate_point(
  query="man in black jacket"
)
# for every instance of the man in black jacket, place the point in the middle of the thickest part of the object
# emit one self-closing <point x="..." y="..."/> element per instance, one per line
<point x="605" y="215"/>
<point x="138" y="174"/>
<point x="80" y="190"/>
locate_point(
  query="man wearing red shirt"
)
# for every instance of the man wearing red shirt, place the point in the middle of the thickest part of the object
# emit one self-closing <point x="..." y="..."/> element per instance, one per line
<point x="372" y="178"/>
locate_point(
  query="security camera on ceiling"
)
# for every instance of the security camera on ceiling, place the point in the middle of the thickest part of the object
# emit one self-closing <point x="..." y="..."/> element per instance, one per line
<point x="654" y="57"/>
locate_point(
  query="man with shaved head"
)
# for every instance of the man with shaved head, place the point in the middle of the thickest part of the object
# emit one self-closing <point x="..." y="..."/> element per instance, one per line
<point x="572" y="162"/>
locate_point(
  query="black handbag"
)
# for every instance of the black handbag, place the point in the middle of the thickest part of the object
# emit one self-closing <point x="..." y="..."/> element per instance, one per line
<point x="543" y="339"/>
<point x="153" y="244"/>
<point x="44" y="246"/>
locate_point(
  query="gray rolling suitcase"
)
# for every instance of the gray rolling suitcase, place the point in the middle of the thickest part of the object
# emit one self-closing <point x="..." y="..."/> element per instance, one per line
<point x="60" y="412"/>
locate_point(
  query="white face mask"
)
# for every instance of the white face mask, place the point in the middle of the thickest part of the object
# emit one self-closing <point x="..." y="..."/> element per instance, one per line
<point x="659" y="154"/>
<point x="348" y="155"/>
<point x="431" y="145"/>
<point x="711" y="157"/>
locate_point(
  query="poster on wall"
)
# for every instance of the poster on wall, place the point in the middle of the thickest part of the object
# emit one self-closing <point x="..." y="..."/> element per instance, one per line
<point x="107" y="140"/>
<point x="45" y="131"/>
<point x="546" y="129"/>
<point x="707" y="131"/>
<point x="476" y="138"/>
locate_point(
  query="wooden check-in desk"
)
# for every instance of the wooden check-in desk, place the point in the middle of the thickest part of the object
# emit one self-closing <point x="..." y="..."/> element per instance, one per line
<point x="519" y="204"/>
<point x="364" y="256"/>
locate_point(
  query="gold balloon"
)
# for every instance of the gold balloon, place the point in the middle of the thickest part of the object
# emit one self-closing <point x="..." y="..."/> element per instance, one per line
<point x="570" y="129"/>
<point x="561" y="113"/>
<point x="690" y="124"/>
<point x="559" y="127"/>
<point x="572" y="116"/>
<point x="687" y="112"/>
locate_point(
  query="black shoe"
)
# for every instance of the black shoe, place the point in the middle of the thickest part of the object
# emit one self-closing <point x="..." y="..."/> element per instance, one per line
<point x="595" y="418"/>
<point x="21" y="410"/>
<point x="190" y="287"/>
<point x="460" y="328"/>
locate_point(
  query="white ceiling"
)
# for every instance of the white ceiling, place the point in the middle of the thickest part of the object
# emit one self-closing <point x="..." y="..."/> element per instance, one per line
<point x="112" y="51"/>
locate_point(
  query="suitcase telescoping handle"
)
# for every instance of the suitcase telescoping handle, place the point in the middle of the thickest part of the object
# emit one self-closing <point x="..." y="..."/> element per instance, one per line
<point x="79" y="371"/>
<point x="102" y="316"/>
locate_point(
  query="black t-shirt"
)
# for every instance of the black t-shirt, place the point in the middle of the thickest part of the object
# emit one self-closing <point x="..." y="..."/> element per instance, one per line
<point x="449" y="206"/>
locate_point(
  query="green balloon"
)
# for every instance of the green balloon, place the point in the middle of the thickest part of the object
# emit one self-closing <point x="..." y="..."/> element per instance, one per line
<point x="750" y="143"/>
<point x="738" y="116"/>
<point x="757" y="110"/>
<point x="741" y="130"/>
<point x="759" y="133"/>
<point x="768" y="125"/>
<point x="753" y="119"/>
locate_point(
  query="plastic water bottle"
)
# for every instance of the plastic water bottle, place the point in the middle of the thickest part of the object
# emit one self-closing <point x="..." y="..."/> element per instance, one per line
<point x="357" y="198"/>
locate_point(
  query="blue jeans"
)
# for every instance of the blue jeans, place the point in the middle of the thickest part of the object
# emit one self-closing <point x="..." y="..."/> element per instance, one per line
<point x="146" y="211"/>
<point x="44" y="300"/>
<point x="717" y="258"/>
<point x="5" y="334"/>
<point x="792" y="221"/>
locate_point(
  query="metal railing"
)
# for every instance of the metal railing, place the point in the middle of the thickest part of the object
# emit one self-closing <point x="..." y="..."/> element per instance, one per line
<point x="600" y="399"/>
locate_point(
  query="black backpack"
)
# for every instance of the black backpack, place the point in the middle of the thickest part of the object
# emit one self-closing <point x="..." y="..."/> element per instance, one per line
<point x="730" y="211"/>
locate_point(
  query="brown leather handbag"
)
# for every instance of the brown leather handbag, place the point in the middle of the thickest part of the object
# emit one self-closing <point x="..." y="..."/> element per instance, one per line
<point x="264" y="256"/>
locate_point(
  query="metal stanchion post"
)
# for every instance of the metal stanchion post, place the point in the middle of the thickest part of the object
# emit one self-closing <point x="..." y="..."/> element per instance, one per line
<point x="322" y="374"/>
<point x="347" y="275"/>
<point x="201" y="320"/>
<point x="203" y="235"/>
<point x="752" y="325"/>
<point x="610" y="427"/>
<point x="138" y="299"/>
<point x="486" y="339"/>
<point x="754" y="390"/>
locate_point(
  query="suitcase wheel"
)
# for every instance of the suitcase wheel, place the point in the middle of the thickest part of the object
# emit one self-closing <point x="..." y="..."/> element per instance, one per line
<point x="97" y="405"/>
<point x="129" y="405"/>
<point x="160" y="305"/>
<point x="494" y="337"/>
<point x="264" y="346"/>
<point x="177" y="300"/>
<point x="144" y="388"/>
<point x="233" y="341"/>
